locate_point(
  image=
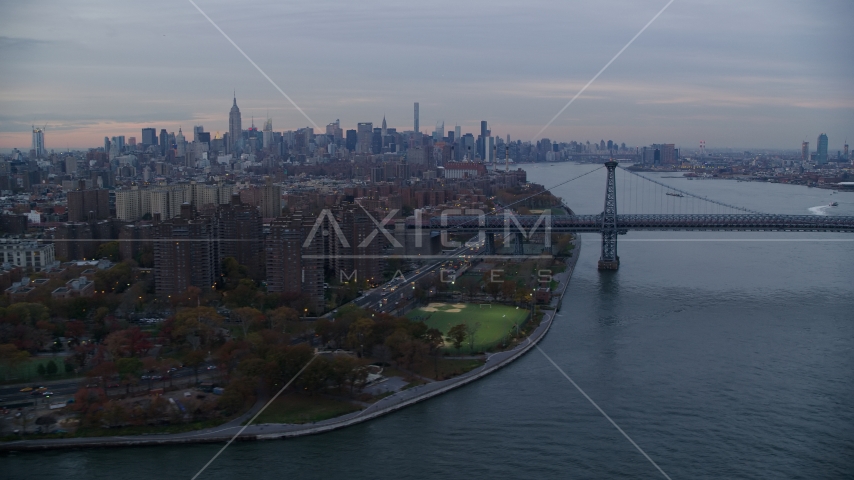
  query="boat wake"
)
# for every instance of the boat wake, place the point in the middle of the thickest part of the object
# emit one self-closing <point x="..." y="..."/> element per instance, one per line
<point x="819" y="210"/>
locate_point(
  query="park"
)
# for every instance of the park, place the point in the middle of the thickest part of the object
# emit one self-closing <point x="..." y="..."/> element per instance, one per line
<point x="492" y="322"/>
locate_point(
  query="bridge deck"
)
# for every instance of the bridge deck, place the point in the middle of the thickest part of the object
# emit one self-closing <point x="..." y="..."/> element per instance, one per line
<point x="593" y="223"/>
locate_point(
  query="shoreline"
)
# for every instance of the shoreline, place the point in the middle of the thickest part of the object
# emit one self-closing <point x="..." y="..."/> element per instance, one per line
<point x="385" y="406"/>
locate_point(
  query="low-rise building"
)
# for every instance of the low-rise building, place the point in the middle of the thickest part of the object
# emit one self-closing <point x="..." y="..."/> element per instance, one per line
<point x="76" y="287"/>
<point x="27" y="254"/>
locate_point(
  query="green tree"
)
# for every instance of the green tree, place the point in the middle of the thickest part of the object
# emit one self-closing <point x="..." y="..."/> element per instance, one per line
<point x="458" y="334"/>
<point x="11" y="358"/>
<point x="52" y="369"/>
<point x="471" y="331"/>
<point x="434" y="340"/>
<point x="109" y="250"/>
<point x="41" y="370"/>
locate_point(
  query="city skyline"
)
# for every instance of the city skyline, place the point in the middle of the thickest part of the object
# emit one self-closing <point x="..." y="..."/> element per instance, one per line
<point x="760" y="75"/>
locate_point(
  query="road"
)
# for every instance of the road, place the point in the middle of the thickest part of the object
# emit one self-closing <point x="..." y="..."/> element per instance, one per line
<point x="384" y="299"/>
<point x="63" y="390"/>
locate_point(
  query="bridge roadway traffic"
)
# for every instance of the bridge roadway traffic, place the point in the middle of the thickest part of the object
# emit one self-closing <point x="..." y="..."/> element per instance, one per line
<point x="625" y="222"/>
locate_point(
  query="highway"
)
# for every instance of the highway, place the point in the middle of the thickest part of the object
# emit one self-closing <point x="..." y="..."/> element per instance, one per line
<point x="385" y="297"/>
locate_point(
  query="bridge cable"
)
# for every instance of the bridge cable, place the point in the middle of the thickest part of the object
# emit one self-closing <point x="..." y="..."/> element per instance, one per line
<point x="720" y="204"/>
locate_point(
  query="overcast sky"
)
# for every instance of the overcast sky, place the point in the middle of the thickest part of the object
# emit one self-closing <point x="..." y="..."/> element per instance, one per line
<point x="735" y="73"/>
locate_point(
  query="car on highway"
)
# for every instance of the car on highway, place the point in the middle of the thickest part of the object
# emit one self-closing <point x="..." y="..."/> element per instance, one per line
<point x="26" y="389"/>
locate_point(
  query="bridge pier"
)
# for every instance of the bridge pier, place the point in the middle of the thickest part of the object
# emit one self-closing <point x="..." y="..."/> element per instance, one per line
<point x="490" y="244"/>
<point x="609" y="260"/>
<point x="518" y="246"/>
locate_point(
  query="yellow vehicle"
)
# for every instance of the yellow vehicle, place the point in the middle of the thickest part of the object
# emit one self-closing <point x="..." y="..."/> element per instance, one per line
<point x="27" y="389"/>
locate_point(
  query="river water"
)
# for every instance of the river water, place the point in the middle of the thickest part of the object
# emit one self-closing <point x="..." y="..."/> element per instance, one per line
<point x="723" y="355"/>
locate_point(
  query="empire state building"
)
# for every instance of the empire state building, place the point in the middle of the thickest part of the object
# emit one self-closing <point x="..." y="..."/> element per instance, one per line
<point x="235" y="130"/>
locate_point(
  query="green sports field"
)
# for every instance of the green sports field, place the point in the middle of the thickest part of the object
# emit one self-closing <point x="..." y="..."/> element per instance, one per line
<point x="495" y="321"/>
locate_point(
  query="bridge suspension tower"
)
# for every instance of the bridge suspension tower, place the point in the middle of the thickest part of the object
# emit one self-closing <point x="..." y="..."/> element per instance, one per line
<point x="609" y="260"/>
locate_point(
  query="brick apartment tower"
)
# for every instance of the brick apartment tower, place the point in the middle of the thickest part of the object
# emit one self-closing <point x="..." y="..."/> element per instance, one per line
<point x="241" y="236"/>
<point x="295" y="263"/>
<point x="185" y="253"/>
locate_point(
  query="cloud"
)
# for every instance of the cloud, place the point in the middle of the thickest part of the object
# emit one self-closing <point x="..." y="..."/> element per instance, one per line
<point x="119" y="65"/>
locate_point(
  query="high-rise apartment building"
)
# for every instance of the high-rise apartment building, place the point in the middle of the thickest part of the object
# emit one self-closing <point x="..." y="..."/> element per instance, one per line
<point x="235" y="130"/>
<point x="241" y="236"/>
<point x="821" y="149"/>
<point x="805" y="151"/>
<point x="86" y="205"/>
<point x="271" y="199"/>
<point x="294" y="254"/>
<point x="38" y="142"/>
<point x="359" y="259"/>
<point x="185" y="253"/>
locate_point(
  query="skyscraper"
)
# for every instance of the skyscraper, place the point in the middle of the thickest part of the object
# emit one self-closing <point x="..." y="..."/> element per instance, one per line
<point x="481" y="141"/>
<point x="197" y="131"/>
<point x="805" y="151"/>
<point x="149" y="136"/>
<point x="384" y="128"/>
<point x="416" y="117"/>
<point x="365" y="132"/>
<point x="38" y="142"/>
<point x="234" y="128"/>
<point x="821" y="149"/>
<point x="352" y="140"/>
<point x="164" y="141"/>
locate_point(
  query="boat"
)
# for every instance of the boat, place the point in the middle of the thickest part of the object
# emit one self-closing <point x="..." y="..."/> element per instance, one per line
<point x="675" y="194"/>
<point x="833" y="204"/>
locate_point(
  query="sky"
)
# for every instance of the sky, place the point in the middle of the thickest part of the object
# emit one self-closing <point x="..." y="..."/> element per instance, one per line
<point x="734" y="73"/>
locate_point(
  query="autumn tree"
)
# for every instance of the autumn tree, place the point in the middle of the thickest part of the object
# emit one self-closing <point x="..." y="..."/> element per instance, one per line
<point x="358" y="333"/>
<point x="129" y="369"/>
<point x="194" y="359"/>
<point x="250" y="319"/>
<point x="193" y="326"/>
<point x="281" y="317"/>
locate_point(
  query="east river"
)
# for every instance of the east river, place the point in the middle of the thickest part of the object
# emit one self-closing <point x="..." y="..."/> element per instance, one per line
<point x="723" y="355"/>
